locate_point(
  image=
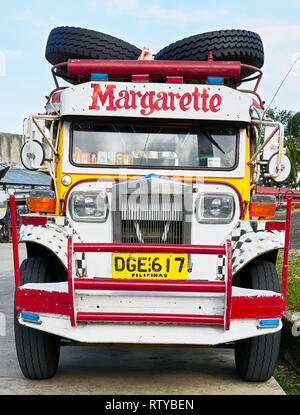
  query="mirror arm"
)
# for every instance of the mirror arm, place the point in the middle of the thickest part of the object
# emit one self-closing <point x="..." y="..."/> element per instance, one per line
<point x="263" y="145"/>
<point x="45" y="137"/>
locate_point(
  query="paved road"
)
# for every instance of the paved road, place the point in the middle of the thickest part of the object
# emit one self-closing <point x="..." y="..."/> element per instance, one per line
<point x="112" y="370"/>
<point x="295" y="231"/>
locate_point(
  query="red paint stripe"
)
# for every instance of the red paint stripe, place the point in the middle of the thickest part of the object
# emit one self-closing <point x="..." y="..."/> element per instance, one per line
<point x="58" y="303"/>
<point x="257" y="307"/>
<point x="150" y="248"/>
<point x="33" y="220"/>
<point x="14" y="234"/>
<point x="275" y="226"/>
<point x="140" y="317"/>
<point x="43" y="301"/>
<point x="128" y="285"/>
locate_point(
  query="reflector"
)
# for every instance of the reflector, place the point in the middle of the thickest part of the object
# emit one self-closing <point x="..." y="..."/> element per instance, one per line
<point x="262" y="206"/>
<point x="43" y="201"/>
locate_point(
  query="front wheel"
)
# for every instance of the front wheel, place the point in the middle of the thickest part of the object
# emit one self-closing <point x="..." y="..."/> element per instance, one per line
<point x="256" y="357"/>
<point x="37" y="351"/>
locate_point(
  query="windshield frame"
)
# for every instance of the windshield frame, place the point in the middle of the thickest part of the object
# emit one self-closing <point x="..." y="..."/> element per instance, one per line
<point x="110" y="120"/>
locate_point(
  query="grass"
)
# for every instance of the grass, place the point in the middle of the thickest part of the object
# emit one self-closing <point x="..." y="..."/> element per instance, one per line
<point x="293" y="284"/>
<point x="287" y="378"/>
<point x="284" y="374"/>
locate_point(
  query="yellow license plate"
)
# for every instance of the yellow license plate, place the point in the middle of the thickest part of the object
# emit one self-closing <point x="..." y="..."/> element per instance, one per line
<point x="150" y="266"/>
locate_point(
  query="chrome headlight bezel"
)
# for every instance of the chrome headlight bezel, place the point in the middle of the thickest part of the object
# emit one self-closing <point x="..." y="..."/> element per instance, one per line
<point x="202" y="216"/>
<point x="92" y="195"/>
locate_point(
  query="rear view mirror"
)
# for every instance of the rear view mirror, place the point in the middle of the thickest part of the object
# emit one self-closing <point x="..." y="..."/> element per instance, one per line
<point x="32" y="155"/>
<point x="279" y="170"/>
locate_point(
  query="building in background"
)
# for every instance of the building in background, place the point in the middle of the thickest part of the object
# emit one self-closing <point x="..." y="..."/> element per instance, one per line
<point x="15" y="179"/>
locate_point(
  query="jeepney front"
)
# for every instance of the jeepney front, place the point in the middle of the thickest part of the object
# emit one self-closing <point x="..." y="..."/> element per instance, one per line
<point x="152" y="222"/>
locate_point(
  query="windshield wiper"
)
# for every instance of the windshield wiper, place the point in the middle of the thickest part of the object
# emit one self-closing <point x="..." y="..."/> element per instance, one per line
<point x="213" y="141"/>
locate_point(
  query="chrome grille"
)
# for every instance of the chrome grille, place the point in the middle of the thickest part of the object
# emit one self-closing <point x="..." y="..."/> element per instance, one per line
<point x="152" y="219"/>
<point x="152" y="213"/>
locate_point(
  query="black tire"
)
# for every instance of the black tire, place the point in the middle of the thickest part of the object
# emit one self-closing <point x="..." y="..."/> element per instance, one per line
<point x="37" y="351"/>
<point x="256" y="357"/>
<point x="226" y="45"/>
<point x="67" y="42"/>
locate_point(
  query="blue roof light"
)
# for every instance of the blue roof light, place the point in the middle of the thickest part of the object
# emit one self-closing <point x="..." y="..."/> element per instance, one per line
<point x="99" y="77"/>
<point x="215" y="80"/>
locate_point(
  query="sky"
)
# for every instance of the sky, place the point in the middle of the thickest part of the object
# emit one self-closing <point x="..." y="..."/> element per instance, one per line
<point x="25" y="77"/>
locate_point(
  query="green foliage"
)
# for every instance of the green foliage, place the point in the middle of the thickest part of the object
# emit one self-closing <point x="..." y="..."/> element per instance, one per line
<point x="282" y="116"/>
<point x="291" y="123"/>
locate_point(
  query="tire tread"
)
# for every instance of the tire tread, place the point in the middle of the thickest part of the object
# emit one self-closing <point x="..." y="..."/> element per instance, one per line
<point x="256" y="357"/>
<point x="37" y="351"/>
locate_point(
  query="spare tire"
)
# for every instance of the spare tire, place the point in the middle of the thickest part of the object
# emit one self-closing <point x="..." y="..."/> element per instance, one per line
<point x="226" y="45"/>
<point x="67" y="42"/>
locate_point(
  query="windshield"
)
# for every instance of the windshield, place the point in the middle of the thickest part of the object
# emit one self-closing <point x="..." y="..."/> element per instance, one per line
<point x="153" y="144"/>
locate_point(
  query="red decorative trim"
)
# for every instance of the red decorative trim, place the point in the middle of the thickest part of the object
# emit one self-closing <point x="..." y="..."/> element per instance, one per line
<point x="140" y="78"/>
<point x="155" y="69"/>
<point x="150" y="248"/>
<point x="229" y="285"/>
<point x="286" y="250"/>
<point x="174" y="80"/>
<point x="128" y="285"/>
<point x="33" y="220"/>
<point x="71" y="283"/>
<point x="140" y="317"/>
<point x="257" y="307"/>
<point x="42" y="301"/>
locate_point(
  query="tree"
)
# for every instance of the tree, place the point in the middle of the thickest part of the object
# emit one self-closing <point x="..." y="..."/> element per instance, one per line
<point x="291" y="123"/>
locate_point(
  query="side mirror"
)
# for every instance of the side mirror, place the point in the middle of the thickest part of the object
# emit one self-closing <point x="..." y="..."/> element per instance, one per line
<point x="279" y="165"/>
<point x="279" y="170"/>
<point x="33" y="132"/>
<point x="32" y="155"/>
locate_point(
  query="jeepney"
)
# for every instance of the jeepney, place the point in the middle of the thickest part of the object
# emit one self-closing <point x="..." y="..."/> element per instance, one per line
<point x="152" y="232"/>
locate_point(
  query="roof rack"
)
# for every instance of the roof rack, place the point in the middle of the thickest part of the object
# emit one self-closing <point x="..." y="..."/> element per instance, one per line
<point x="84" y="70"/>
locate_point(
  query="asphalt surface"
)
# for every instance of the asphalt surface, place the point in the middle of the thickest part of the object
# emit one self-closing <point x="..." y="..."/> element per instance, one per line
<point x="295" y="231"/>
<point x="111" y="370"/>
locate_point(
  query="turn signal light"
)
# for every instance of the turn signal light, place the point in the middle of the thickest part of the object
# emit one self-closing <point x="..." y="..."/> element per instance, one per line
<point x="262" y="206"/>
<point x="43" y="201"/>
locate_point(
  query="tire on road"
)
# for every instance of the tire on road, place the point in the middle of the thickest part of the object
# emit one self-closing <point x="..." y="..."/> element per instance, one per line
<point x="256" y="357"/>
<point x="226" y="45"/>
<point x="37" y="351"/>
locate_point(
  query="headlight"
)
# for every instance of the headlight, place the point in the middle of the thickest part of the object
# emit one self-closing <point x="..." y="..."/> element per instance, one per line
<point x="215" y="208"/>
<point x="89" y="206"/>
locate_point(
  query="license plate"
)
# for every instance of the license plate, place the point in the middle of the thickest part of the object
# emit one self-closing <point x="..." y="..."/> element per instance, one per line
<point x="150" y="266"/>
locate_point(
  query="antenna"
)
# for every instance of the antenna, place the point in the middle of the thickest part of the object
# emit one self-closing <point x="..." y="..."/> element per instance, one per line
<point x="282" y="82"/>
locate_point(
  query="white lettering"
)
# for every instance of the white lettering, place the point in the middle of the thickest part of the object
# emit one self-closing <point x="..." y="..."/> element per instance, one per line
<point x="171" y="404"/>
<point x="116" y="405"/>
